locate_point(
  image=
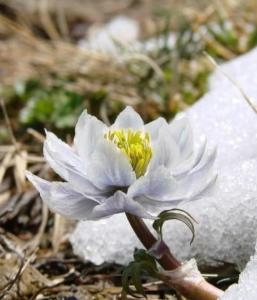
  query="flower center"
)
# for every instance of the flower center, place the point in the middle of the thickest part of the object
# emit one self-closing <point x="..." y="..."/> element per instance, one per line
<point x="135" y="145"/>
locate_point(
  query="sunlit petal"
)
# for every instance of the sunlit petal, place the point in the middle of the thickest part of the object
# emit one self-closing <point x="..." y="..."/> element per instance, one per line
<point x="158" y="184"/>
<point x="110" y="168"/>
<point x="119" y="203"/>
<point x="89" y="130"/>
<point x="165" y="152"/>
<point x="67" y="164"/>
<point x="61" y="198"/>
<point x="128" y="118"/>
<point x="181" y="131"/>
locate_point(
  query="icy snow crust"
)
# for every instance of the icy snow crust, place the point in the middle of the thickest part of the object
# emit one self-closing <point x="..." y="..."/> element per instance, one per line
<point x="246" y="288"/>
<point x="227" y="221"/>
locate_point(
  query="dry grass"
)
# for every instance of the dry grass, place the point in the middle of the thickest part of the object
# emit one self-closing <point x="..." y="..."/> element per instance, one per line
<point x="36" y="261"/>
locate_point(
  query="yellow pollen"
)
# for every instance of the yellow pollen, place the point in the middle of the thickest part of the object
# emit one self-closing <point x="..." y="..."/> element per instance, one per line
<point x="135" y="145"/>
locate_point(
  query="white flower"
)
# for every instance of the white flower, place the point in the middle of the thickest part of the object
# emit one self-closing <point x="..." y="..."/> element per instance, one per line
<point x="128" y="167"/>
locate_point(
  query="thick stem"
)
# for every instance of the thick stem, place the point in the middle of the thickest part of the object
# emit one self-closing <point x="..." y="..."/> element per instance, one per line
<point x="192" y="290"/>
<point x="167" y="261"/>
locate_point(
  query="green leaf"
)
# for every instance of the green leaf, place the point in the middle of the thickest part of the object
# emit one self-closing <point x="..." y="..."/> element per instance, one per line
<point x="54" y="106"/>
<point x="174" y="214"/>
<point x="136" y="275"/>
<point x="143" y="263"/>
<point x="126" y="280"/>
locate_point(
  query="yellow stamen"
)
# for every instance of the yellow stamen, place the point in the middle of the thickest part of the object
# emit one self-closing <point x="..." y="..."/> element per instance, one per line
<point x="135" y="145"/>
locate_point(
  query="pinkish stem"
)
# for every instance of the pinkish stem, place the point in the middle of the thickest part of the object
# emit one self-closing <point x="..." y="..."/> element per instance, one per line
<point x="193" y="290"/>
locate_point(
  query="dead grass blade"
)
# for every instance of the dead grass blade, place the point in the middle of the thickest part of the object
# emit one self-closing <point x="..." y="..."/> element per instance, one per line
<point x="21" y="162"/>
<point x="235" y="83"/>
<point x="8" y="124"/>
<point x="5" y="164"/>
<point x="58" y="231"/>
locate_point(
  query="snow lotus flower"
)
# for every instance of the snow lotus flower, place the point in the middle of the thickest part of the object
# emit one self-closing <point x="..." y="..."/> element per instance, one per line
<point x="127" y="167"/>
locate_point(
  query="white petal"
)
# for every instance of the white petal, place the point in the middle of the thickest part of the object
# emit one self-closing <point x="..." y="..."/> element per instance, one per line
<point x="67" y="164"/>
<point x="128" y="118"/>
<point x="154" y="127"/>
<point x="119" y="203"/>
<point x="185" y="166"/>
<point x="155" y="191"/>
<point x="206" y="189"/>
<point x="200" y="177"/>
<point x="62" y="199"/>
<point x="158" y="184"/>
<point x="110" y="168"/>
<point x="159" y="189"/>
<point x="207" y="161"/>
<point x="62" y="153"/>
<point x="181" y="131"/>
<point x="154" y="207"/>
<point x="89" y="130"/>
<point x="165" y="152"/>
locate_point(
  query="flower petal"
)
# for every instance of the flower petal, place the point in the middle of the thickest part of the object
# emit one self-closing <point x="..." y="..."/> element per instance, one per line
<point x="67" y="164"/>
<point x="119" y="203"/>
<point x="154" y="127"/>
<point x="206" y="189"/>
<point x="156" y="190"/>
<point x="110" y="168"/>
<point x="159" y="189"/>
<point x="181" y="131"/>
<point x="199" y="178"/>
<point x="165" y="152"/>
<point x="62" y="198"/>
<point x="158" y="184"/>
<point x="89" y="130"/>
<point x="62" y="153"/>
<point x="186" y="166"/>
<point x="128" y="118"/>
<point x="207" y="161"/>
